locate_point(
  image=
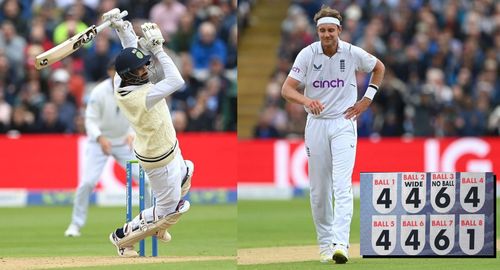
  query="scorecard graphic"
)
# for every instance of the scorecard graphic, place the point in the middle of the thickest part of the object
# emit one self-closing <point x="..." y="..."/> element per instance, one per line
<point x="428" y="214"/>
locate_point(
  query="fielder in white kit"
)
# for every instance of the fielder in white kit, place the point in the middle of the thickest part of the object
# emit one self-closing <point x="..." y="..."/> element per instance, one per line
<point x="328" y="70"/>
<point x="142" y="101"/>
<point x="109" y="134"/>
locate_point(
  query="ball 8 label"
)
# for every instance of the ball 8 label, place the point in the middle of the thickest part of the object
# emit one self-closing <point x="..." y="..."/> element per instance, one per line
<point x="428" y="214"/>
<point x="471" y="233"/>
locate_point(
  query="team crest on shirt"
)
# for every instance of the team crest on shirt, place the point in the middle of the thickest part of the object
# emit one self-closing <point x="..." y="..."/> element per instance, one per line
<point x="342" y="65"/>
<point x="317" y="68"/>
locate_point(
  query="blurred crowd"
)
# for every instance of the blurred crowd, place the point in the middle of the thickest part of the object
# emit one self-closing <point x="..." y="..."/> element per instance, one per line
<point x="442" y="66"/>
<point x="201" y="38"/>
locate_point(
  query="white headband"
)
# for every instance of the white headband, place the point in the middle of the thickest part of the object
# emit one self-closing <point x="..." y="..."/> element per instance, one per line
<point x="328" y="20"/>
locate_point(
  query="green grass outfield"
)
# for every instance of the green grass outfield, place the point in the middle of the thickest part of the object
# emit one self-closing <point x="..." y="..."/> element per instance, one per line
<point x="289" y="223"/>
<point x="206" y="230"/>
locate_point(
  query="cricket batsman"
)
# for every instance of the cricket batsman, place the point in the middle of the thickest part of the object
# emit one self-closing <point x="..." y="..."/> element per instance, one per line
<point x="140" y="91"/>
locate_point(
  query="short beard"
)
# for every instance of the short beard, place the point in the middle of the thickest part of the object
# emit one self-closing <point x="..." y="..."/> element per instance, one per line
<point x="132" y="79"/>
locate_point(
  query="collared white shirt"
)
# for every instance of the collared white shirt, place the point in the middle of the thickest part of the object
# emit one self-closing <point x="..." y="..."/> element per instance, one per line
<point x="331" y="80"/>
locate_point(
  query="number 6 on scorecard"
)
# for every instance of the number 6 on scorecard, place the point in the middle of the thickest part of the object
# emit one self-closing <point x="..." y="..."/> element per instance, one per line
<point x="71" y="45"/>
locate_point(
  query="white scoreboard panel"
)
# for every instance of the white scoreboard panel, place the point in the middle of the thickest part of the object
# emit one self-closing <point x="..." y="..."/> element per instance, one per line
<point x="428" y="214"/>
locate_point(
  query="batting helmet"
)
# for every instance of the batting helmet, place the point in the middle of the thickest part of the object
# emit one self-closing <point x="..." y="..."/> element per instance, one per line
<point x="128" y="61"/>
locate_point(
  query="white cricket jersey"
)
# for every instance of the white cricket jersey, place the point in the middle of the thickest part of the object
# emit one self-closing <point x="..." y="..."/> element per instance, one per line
<point x="103" y="116"/>
<point x="331" y="80"/>
<point x="155" y="144"/>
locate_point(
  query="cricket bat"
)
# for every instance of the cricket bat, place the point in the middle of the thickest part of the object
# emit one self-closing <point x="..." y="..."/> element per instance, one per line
<point x="71" y="45"/>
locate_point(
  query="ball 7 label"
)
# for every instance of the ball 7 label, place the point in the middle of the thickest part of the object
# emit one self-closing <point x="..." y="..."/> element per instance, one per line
<point x="442" y="234"/>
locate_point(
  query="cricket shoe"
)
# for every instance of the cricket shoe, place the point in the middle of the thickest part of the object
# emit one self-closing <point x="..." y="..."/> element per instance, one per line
<point x="326" y="254"/>
<point x="186" y="182"/>
<point x="146" y="229"/>
<point x="127" y="252"/>
<point x="340" y="254"/>
<point x="72" y="231"/>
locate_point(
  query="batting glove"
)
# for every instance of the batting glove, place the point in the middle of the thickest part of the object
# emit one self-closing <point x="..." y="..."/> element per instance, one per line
<point x="153" y="38"/>
<point x="113" y="16"/>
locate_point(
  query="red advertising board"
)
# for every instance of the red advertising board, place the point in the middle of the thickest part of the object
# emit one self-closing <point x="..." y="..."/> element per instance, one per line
<point x="40" y="162"/>
<point x="53" y="161"/>
<point x="283" y="163"/>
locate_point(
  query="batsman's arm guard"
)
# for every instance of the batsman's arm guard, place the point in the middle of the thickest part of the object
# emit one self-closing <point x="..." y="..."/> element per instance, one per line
<point x="149" y="229"/>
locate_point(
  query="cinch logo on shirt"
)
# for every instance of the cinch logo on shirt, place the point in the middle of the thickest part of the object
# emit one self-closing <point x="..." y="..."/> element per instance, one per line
<point x="328" y="84"/>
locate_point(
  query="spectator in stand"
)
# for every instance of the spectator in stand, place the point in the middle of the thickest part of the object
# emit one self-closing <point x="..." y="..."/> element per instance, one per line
<point x="265" y="128"/>
<point x="186" y="96"/>
<point x="229" y="19"/>
<point x="179" y="119"/>
<point x="230" y="108"/>
<point x="214" y="100"/>
<point x="8" y="77"/>
<point x="206" y="46"/>
<point x="136" y="8"/>
<point x="215" y="16"/>
<point x="49" y="120"/>
<point x="97" y="59"/>
<point x="471" y="121"/>
<point x="13" y="45"/>
<point x="62" y="99"/>
<point x="49" y="14"/>
<point x="167" y="14"/>
<point x="296" y="37"/>
<point x="31" y="96"/>
<point x="76" y="83"/>
<point x="71" y="25"/>
<point x="181" y="40"/>
<point x="38" y="37"/>
<point x="232" y="49"/>
<point x="22" y="121"/>
<point x="244" y="8"/>
<point x="11" y="11"/>
<point x="224" y="89"/>
<point x="200" y="117"/>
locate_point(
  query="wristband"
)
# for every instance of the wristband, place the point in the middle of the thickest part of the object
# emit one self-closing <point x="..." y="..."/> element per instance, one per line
<point x="371" y="91"/>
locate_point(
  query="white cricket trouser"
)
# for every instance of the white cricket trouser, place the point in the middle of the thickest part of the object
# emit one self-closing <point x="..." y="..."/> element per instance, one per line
<point x="331" y="147"/>
<point x="166" y="186"/>
<point x="93" y="165"/>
